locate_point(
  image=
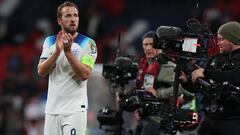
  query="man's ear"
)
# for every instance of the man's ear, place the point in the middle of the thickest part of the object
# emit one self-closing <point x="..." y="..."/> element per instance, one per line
<point x="59" y="20"/>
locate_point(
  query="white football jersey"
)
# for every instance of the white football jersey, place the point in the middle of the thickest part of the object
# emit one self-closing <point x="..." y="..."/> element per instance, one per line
<point x="67" y="93"/>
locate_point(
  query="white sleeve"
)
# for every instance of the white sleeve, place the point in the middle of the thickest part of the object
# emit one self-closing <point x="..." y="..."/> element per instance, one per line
<point x="90" y="54"/>
<point x="93" y="49"/>
<point x="45" y="50"/>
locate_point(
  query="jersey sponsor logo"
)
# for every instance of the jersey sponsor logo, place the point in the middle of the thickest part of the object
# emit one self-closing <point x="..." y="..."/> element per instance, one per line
<point x="75" y="52"/>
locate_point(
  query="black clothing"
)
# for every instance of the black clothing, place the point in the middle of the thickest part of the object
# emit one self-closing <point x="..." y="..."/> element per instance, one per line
<point x="227" y="126"/>
<point x="148" y="126"/>
<point x="224" y="68"/>
<point x="221" y="106"/>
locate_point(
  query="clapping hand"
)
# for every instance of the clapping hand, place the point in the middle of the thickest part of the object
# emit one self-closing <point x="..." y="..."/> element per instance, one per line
<point x="59" y="44"/>
<point x="67" y="40"/>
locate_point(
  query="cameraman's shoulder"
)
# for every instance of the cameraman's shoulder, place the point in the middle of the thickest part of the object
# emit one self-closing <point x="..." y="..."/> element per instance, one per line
<point x="216" y="56"/>
<point x="168" y="68"/>
<point x="169" y="64"/>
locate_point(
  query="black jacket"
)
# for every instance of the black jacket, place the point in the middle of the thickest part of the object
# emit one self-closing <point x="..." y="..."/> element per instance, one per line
<point x="224" y="67"/>
<point x="220" y="68"/>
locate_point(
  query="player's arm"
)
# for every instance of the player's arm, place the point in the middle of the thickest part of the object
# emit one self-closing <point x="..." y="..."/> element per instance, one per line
<point x="46" y="65"/>
<point x="81" y="68"/>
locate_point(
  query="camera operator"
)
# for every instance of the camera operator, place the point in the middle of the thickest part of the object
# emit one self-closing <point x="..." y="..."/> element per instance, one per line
<point x="222" y="113"/>
<point x="156" y="75"/>
<point x="146" y="80"/>
<point x="148" y="66"/>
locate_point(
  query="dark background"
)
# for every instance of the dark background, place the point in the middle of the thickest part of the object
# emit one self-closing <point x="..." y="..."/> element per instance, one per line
<point x="25" y="23"/>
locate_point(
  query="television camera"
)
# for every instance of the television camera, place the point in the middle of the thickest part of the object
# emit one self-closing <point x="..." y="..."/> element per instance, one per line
<point x="119" y="73"/>
<point x="123" y="70"/>
<point x="214" y="91"/>
<point x="151" y="106"/>
<point x="193" y="44"/>
<point x="186" y="49"/>
<point x="182" y="47"/>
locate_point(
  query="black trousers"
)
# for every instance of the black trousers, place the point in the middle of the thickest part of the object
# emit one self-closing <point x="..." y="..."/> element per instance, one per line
<point x="226" y="126"/>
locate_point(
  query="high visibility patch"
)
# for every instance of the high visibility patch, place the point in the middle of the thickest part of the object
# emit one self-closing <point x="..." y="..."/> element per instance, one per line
<point x="88" y="60"/>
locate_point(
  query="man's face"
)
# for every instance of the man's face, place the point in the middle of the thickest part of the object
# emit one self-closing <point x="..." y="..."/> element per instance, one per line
<point x="148" y="49"/>
<point x="69" y="20"/>
<point x="224" y="45"/>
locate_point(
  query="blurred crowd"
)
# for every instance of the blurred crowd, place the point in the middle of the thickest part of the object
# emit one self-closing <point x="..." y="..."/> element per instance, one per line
<point x="114" y="25"/>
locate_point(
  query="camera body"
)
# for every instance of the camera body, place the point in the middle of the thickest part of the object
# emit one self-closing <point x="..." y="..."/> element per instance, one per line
<point x="171" y="117"/>
<point x="107" y="116"/>
<point x="193" y="44"/>
<point x="215" y="93"/>
<point x="123" y="70"/>
<point x="139" y="99"/>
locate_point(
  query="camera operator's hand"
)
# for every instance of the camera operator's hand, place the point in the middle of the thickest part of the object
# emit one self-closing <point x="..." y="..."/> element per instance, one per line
<point x="180" y="100"/>
<point x="152" y="90"/>
<point x="197" y="73"/>
<point x="136" y="114"/>
<point x="183" y="77"/>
